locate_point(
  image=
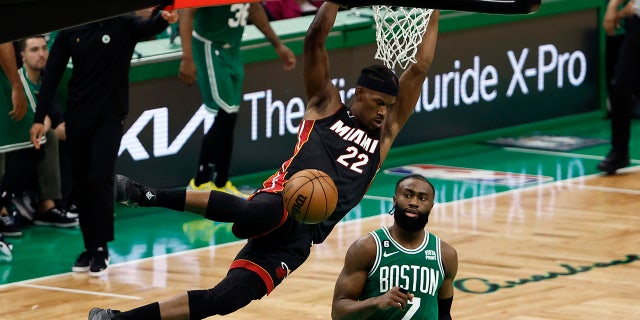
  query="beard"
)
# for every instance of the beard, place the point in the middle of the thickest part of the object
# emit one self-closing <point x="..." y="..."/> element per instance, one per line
<point x="408" y="223"/>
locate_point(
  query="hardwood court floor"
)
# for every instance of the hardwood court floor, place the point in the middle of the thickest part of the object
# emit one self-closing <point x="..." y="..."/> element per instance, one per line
<point x="526" y="254"/>
<point x="559" y="241"/>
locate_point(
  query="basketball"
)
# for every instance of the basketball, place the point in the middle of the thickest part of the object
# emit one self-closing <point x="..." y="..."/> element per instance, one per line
<point x="310" y="195"/>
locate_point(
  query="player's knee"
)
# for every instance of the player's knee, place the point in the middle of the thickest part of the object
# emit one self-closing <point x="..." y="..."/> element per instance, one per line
<point x="260" y="215"/>
<point x="224" y="207"/>
<point x="256" y="221"/>
<point x="252" y="226"/>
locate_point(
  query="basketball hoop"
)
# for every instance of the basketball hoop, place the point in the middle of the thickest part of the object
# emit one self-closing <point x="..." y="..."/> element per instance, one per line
<point x="399" y="31"/>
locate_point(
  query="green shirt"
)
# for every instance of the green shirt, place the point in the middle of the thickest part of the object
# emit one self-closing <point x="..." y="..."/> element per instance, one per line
<point x="419" y="270"/>
<point x="223" y="25"/>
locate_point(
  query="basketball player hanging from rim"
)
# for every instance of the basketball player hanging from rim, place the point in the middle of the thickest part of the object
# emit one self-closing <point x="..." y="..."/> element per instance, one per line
<point x="358" y="136"/>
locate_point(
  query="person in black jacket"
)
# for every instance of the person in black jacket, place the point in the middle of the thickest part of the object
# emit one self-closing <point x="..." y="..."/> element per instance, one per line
<point x="96" y="106"/>
<point x="625" y="84"/>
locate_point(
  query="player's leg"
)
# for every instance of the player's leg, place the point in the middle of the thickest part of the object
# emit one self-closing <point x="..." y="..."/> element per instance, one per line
<point x="50" y="210"/>
<point x="235" y="291"/>
<point x="259" y="267"/>
<point x="20" y="168"/>
<point x="202" y="52"/>
<point x="216" y="80"/>
<point x="48" y="170"/>
<point x="222" y="139"/>
<point x="98" y="208"/>
<point x="79" y="142"/>
<point x="231" y="93"/>
<point x="624" y="85"/>
<point x="215" y="153"/>
<point x="260" y="216"/>
<point x="204" y="170"/>
<point x="129" y="192"/>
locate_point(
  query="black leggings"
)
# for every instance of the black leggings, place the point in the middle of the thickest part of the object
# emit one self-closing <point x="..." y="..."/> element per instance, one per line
<point x="235" y="291"/>
<point x="217" y="147"/>
<point x="258" y="216"/>
<point x="624" y="85"/>
<point x="93" y="145"/>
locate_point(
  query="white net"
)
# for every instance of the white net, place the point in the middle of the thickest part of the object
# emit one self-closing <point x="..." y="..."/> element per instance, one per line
<point x="399" y="31"/>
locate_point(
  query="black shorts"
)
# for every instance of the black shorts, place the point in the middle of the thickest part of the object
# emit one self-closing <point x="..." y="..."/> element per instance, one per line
<point x="275" y="255"/>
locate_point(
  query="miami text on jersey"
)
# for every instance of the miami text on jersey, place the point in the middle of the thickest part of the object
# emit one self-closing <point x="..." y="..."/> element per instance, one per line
<point x="355" y="135"/>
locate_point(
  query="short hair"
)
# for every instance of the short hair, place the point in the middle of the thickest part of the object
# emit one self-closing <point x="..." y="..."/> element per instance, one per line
<point x="417" y="177"/>
<point x="22" y="44"/>
<point x="379" y="78"/>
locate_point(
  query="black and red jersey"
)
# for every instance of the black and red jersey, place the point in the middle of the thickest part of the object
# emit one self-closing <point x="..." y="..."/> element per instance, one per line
<point x="338" y="145"/>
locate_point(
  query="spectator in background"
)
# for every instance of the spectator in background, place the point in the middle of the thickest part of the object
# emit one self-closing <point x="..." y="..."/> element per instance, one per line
<point x="97" y="103"/>
<point x="286" y="9"/>
<point x="211" y="39"/>
<point x="34" y="54"/>
<point x="625" y="85"/>
<point x="14" y="108"/>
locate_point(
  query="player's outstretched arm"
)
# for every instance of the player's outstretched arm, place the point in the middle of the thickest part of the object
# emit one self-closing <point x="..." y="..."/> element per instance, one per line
<point x="322" y="95"/>
<point x="411" y="82"/>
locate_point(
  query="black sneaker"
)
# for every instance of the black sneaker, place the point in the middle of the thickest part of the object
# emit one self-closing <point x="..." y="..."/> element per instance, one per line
<point x="83" y="262"/>
<point x="55" y="217"/>
<point x="102" y="314"/>
<point x="99" y="263"/>
<point x="613" y="162"/>
<point x="131" y="193"/>
<point x="8" y="228"/>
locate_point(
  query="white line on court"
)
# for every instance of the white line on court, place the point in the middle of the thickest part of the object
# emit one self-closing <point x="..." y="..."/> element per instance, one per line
<point x="546" y="185"/>
<point x="560" y="154"/>
<point x="26" y="283"/>
<point x="605" y="189"/>
<point x="103" y="294"/>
